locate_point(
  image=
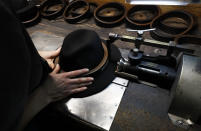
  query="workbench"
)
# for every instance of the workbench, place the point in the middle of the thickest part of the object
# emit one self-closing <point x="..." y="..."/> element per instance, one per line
<point x="142" y="108"/>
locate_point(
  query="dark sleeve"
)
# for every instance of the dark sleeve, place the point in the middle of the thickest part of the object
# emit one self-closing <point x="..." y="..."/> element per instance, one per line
<point x="14" y="70"/>
<point x="16" y="4"/>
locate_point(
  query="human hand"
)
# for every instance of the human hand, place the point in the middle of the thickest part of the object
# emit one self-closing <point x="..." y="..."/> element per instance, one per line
<point x="61" y="85"/>
<point x="49" y="56"/>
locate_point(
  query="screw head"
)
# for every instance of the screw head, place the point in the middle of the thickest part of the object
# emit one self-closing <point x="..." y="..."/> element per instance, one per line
<point x="135" y="51"/>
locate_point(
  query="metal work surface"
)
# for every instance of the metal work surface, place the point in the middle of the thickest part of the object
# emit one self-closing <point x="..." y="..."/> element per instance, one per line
<point x="98" y="109"/>
<point x="142" y="108"/>
<point x="187" y="90"/>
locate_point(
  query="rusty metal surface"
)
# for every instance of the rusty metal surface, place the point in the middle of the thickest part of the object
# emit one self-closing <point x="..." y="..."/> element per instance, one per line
<point x="144" y="109"/>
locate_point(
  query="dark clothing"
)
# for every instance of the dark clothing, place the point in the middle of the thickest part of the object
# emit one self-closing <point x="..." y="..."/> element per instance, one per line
<point x="21" y="68"/>
<point x="16" y="4"/>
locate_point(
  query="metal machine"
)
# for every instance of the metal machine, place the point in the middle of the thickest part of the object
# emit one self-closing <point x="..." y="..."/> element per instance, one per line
<point x="181" y="74"/>
<point x="161" y="69"/>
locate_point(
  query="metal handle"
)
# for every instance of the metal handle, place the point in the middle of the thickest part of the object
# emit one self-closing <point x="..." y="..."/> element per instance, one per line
<point x="141" y="31"/>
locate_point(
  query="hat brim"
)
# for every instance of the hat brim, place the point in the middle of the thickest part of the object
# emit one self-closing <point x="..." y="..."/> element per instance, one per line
<point x="103" y="78"/>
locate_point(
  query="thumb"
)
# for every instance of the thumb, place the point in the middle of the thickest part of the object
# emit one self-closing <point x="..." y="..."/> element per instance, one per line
<point x="55" y="53"/>
<point x="56" y="69"/>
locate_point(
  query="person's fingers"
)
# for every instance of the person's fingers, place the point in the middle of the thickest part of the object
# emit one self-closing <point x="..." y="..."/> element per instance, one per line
<point x="56" y="69"/>
<point x="75" y="73"/>
<point x="69" y="92"/>
<point x="81" y="80"/>
<point x="50" y="63"/>
<point x="59" y="49"/>
<point x="74" y="86"/>
<point x="55" y="53"/>
<point x="77" y="90"/>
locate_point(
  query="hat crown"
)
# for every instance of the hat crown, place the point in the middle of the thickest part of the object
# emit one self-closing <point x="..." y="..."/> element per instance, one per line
<point x="81" y="49"/>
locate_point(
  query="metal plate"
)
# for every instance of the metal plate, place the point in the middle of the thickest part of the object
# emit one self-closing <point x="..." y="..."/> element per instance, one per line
<point x="121" y="81"/>
<point x="98" y="109"/>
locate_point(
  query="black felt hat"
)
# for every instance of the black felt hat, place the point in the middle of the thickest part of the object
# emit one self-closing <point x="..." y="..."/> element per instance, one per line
<point x="84" y="49"/>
